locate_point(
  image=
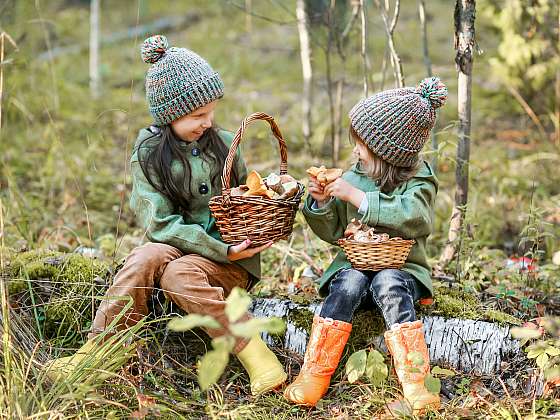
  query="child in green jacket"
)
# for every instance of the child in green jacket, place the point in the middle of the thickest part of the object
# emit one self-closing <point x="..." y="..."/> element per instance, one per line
<point x="392" y="190"/>
<point x="176" y="166"/>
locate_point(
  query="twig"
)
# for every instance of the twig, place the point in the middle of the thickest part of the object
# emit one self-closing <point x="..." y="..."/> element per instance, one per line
<point x="389" y="29"/>
<point x="527" y="108"/>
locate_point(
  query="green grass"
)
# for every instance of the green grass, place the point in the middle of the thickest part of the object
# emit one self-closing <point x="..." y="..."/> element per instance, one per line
<point x="64" y="183"/>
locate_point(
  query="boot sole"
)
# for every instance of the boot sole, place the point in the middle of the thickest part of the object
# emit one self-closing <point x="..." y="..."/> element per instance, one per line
<point x="272" y="386"/>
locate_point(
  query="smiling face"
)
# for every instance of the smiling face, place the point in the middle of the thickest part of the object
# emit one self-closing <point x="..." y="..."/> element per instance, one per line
<point x="191" y="127"/>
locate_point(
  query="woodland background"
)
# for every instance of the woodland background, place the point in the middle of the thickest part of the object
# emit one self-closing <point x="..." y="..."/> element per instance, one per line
<point x="69" y="118"/>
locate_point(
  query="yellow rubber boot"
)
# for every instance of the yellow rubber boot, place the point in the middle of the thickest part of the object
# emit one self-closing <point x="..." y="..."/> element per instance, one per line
<point x="326" y="344"/>
<point x="402" y="340"/>
<point x="62" y="367"/>
<point x="264" y="369"/>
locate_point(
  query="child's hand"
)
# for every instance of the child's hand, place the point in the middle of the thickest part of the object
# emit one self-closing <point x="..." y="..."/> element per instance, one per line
<point x="344" y="191"/>
<point x="242" y="250"/>
<point x="317" y="192"/>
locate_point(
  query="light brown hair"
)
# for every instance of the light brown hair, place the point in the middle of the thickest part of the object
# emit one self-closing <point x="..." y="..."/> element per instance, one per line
<point x="386" y="176"/>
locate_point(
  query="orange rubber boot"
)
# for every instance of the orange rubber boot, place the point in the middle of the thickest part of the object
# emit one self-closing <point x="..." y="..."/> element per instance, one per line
<point x="326" y="343"/>
<point x="402" y="340"/>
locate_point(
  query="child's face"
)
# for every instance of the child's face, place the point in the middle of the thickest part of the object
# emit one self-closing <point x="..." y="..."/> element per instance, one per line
<point x="191" y="127"/>
<point x="360" y="151"/>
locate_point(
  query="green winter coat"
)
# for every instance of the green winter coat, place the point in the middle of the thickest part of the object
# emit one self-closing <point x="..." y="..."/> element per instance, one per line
<point x="406" y="212"/>
<point x="164" y="224"/>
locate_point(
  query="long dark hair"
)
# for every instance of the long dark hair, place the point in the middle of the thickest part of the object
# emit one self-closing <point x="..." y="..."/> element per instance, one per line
<point x="156" y="157"/>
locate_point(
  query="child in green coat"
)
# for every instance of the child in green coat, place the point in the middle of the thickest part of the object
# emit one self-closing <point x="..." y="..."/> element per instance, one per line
<point x="394" y="191"/>
<point x="176" y="166"/>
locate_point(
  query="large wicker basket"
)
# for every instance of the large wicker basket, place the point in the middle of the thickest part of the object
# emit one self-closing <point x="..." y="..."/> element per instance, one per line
<point x="377" y="256"/>
<point x="260" y="219"/>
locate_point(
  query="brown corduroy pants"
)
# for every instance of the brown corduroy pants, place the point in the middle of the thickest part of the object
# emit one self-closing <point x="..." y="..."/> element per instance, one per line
<point x="196" y="284"/>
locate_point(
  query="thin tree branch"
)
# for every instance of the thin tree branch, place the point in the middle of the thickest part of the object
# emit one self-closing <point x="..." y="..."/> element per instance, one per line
<point x="389" y="29"/>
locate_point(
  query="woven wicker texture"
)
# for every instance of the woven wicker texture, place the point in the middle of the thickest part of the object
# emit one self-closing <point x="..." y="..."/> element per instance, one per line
<point x="376" y="256"/>
<point x="260" y="219"/>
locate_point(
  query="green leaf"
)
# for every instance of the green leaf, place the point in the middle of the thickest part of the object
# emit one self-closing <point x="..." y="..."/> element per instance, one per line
<point x="432" y="384"/>
<point x="528" y="333"/>
<point x="223" y="343"/>
<point x="376" y="369"/>
<point x="542" y="360"/>
<point x="255" y="326"/>
<point x="237" y="304"/>
<point x="211" y="367"/>
<point x="436" y="370"/>
<point x="193" y="321"/>
<point x="356" y="365"/>
<point x="553" y="351"/>
<point x="415" y="358"/>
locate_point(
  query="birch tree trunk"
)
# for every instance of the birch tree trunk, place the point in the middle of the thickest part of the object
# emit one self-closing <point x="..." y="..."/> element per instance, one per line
<point x="464" y="344"/>
<point x="307" y="71"/>
<point x="428" y="64"/>
<point x="465" y="45"/>
<point x="94" y="81"/>
<point x="364" y="52"/>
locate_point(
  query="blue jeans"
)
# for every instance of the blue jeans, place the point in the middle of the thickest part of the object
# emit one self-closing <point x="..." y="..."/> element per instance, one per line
<point x="392" y="292"/>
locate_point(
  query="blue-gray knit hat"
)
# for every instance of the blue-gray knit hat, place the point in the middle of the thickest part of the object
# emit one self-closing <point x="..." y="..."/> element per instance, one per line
<point x="395" y="124"/>
<point x="178" y="81"/>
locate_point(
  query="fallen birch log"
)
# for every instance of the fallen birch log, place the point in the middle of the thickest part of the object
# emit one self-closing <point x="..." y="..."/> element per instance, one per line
<point x="466" y="345"/>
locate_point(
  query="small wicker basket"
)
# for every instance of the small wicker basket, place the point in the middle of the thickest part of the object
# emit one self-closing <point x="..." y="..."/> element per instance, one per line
<point x="260" y="219"/>
<point x="377" y="256"/>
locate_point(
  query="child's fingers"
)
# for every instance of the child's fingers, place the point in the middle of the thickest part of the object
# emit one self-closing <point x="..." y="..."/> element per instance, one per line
<point x="240" y="246"/>
<point x="316" y="190"/>
<point x="258" y="249"/>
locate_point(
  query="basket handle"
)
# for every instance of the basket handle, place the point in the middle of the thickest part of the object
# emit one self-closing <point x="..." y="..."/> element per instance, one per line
<point x="237" y="139"/>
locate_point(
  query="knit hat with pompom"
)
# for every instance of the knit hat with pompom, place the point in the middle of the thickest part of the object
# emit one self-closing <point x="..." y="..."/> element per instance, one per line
<point x="395" y="124"/>
<point x="178" y="80"/>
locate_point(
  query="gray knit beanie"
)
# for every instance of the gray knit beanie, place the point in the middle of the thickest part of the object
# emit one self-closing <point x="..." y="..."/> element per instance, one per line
<point x="178" y="81"/>
<point x="395" y="124"/>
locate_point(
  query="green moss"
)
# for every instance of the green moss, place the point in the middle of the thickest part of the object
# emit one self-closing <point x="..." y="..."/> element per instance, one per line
<point x="21" y="264"/>
<point x="301" y="318"/>
<point x="454" y="302"/>
<point x="73" y="279"/>
<point x="501" y="317"/>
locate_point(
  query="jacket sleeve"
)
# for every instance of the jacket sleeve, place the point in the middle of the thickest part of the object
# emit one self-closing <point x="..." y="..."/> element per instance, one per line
<point x="324" y="221"/>
<point x="156" y="216"/>
<point x="410" y="212"/>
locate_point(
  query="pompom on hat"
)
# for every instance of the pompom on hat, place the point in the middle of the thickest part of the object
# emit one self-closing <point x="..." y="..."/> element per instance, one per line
<point x="395" y="124"/>
<point x="178" y="80"/>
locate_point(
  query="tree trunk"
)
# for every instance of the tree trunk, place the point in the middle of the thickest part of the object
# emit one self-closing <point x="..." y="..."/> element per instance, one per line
<point x="307" y="71"/>
<point x="363" y="50"/>
<point x="465" y="45"/>
<point x="463" y="344"/>
<point x="330" y="83"/>
<point x="94" y="81"/>
<point x="428" y="64"/>
<point x="557" y="122"/>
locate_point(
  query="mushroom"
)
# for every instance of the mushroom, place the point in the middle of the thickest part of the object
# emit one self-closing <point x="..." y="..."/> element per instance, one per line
<point x="274" y="182"/>
<point x="353" y="227"/>
<point x="325" y="176"/>
<point x="256" y="186"/>
<point x="290" y="189"/>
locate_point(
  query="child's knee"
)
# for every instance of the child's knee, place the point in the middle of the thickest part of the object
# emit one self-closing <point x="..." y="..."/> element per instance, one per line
<point x="390" y="282"/>
<point x="351" y="284"/>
